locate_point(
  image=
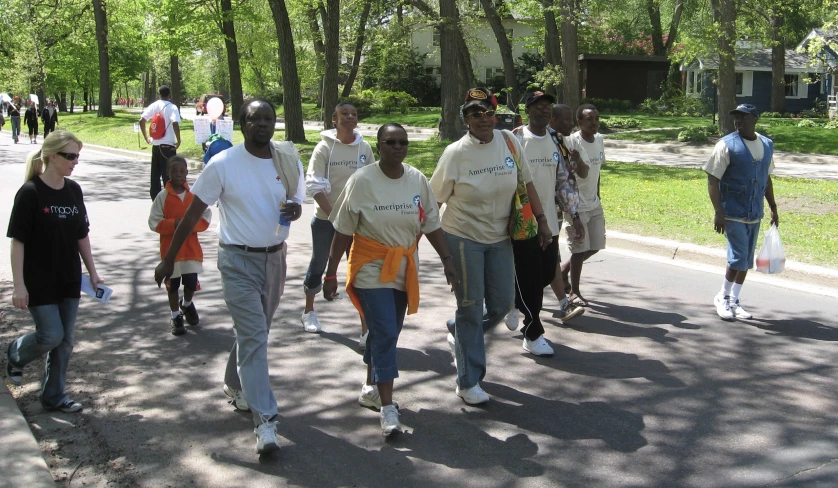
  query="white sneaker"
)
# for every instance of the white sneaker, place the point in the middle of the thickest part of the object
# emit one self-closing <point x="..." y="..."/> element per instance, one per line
<point x="390" y="421"/>
<point x="511" y="319"/>
<point x="266" y="440"/>
<point x="738" y="311"/>
<point x="722" y="304"/>
<point x="539" y="347"/>
<point x="236" y="399"/>
<point x="474" y="395"/>
<point x="370" y="397"/>
<point x="362" y="341"/>
<point x="452" y="343"/>
<point x="310" y="322"/>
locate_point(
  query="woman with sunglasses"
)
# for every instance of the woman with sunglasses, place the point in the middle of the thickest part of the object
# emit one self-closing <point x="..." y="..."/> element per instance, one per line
<point x="476" y="179"/>
<point x="49" y="231"/>
<point x="385" y="206"/>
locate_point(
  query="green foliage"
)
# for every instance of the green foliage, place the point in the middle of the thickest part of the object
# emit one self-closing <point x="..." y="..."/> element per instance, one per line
<point x="698" y="133"/>
<point x="609" y="104"/>
<point x="770" y="115"/>
<point x="676" y="104"/>
<point x="832" y="124"/>
<point x="393" y="64"/>
<point x="808" y="123"/>
<point x="274" y="95"/>
<point x="620" y="122"/>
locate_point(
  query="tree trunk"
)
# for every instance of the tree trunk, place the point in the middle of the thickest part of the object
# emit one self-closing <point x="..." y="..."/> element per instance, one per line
<point x="290" y="80"/>
<point x="778" y="62"/>
<point x="724" y="14"/>
<point x="86" y="102"/>
<point x="552" y="45"/>
<point x="100" y="15"/>
<point x="359" y="47"/>
<point x="228" y="28"/>
<point x="331" y="29"/>
<point x="174" y="67"/>
<point x="505" y="47"/>
<point x="319" y="50"/>
<point x="450" y="125"/>
<point x="570" y="55"/>
<point x="653" y="9"/>
<point x="673" y="27"/>
<point x="72" y="102"/>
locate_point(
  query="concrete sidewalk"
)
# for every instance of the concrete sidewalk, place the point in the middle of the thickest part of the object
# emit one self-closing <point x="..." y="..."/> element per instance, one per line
<point x="21" y="461"/>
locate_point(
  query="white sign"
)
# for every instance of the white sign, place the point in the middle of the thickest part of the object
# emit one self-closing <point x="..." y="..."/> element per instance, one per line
<point x="201" y="126"/>
<point x="34" y="99"/>
<point x="225" y="128"/>
<point x="136" y="127"/>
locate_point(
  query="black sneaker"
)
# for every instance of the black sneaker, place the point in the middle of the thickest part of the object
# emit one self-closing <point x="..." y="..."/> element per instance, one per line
<point x="69" y="406"/>
<point x="189" y="312"/>
<point x="570" y="311"/>
<point x="13" y="373"/>
<point x="177" y="325"/>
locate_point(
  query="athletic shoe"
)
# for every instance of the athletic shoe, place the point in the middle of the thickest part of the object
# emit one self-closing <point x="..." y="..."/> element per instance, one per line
<point x="69" y="406"/>
<point x="452" y="343"/>
<point x="370" y="398"/>
<point x="266" y="440"/>
<point x="177" y="325"/>
<point x="474" y="395"/>
<point x="723" y="306"/>
<point x="390" y="421"/>
<point x="738" y="311"/>
<point x="362" y="341"/>
<point x="13" y="373"/>
<point x="570" y="310"/>
<point x="310" y="322"/>
<point x="539" y="347"/>
<point x="236" y="399"/>
<point x="189" y="313"/>
<point x="511" y="319"/>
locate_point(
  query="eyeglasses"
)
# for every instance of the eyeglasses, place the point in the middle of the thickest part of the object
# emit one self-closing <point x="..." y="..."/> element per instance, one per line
<point x="68" y="156"/>
<point x="480" y="115"/>
<point x="393" y="142"/>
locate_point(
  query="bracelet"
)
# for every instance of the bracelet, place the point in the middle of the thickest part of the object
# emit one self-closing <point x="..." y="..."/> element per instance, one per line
<point x="330" y="278"/>
<point x="446" y="257"/>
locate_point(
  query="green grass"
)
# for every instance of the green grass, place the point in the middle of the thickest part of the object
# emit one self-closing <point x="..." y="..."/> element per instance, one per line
<point x="414" y="119"/>
<point x="659" y="136"/>
<point x="672" y="203"/>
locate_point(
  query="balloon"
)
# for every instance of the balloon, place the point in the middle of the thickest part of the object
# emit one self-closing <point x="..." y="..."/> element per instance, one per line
<point x="215" y="107"/>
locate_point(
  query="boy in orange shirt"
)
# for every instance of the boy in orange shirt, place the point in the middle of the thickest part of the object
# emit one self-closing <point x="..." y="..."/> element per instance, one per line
<point x="167" y="210"/>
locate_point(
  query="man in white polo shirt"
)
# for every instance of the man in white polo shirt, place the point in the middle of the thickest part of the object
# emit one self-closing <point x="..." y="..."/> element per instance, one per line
<point x="258" y="200"/>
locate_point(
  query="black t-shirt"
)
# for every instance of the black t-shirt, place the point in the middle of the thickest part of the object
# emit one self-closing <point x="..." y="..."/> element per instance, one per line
<point x="50" y="223"/>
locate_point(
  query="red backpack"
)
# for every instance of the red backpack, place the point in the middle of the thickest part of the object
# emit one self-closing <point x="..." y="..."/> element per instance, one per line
<point x="158" y="126"/>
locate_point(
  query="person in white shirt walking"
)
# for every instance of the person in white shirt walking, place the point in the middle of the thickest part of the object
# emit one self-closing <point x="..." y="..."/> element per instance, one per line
<point x="165" y="140"/>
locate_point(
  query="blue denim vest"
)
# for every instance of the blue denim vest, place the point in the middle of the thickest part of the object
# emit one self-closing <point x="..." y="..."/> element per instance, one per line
<point x="742" y="187"/>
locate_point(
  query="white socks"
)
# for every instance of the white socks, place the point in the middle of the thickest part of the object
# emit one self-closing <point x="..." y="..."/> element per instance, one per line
<point x="726" y="287"/>
<point x="175" y="314"/>
<point x="734" y="294"/>
<point x="185" y="303"/>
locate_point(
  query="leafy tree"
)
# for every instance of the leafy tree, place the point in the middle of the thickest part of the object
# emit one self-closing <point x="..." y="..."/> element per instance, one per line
<point x="290" y="81"/>
<point x="392" y="64"/>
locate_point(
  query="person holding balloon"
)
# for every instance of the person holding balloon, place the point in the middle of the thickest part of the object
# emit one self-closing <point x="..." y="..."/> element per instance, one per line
<point x="163" y="135"/>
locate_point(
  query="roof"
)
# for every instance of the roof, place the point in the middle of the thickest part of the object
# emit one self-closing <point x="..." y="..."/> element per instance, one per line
<point x="760" y="60"/>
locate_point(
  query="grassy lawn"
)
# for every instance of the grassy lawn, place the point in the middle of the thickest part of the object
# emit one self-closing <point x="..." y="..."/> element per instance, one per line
<point x="672" y="203"/>
<point x="659" y="136"/>
<point x="414" y="119"/>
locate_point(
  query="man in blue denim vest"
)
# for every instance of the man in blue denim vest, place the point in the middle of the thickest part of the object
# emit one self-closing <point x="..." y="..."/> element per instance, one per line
<point x="738" y="178"/>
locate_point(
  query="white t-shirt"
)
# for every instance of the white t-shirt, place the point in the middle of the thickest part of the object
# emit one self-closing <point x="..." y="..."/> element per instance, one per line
<point x="720" y="159"/>
<point x="170" y="113"/>
<point x="250" y="193"/>
<point x="336" y="162"/>
<point x="385" y="210"/>
<point x="543" y="157"/>
<point x="593" y="154"/>
<point x="477" y="182"/>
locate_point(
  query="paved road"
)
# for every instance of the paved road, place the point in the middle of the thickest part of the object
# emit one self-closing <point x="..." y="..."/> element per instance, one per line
<point x="648" y="388"/>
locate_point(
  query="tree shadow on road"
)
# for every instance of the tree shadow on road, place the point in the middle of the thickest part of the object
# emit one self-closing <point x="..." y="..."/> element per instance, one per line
<point x="798" y="328"/>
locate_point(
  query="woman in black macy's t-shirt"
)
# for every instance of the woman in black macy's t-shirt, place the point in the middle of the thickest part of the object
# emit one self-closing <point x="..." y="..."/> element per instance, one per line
<point x="49" y="228"/>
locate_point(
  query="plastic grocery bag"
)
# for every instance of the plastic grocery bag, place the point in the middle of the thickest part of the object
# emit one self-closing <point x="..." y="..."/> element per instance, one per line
<point x="771" y="258"/>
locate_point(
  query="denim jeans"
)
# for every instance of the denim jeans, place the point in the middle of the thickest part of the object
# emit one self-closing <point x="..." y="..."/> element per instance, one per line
<point x="53" y="336"/>
<point x="160" y="154"/>
<point x="384" y="310"/>
<point x="15" y="128"/>
<point x="322" y="232"/>
<point x="252" y="283"/>
<point x="486" y="271"/>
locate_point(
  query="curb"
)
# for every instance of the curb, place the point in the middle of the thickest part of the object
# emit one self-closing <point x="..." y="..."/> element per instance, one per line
<point x="21" y="460"/>
<point x="704" y="151"/>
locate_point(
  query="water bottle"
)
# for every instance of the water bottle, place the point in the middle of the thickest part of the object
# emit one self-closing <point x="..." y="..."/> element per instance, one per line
<point x="283" y="228"/>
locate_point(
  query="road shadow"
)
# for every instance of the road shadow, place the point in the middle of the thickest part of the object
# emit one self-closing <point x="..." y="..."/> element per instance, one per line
<point x="798" y="328"/>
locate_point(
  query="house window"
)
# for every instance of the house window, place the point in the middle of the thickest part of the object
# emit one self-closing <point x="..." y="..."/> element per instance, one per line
<point x="436" y="37"/>
<point x="694" y="87"/>
<point x="433" y="70"/>
<point x="823" y="85"/>
<point x="740" y="83"/>
<point x="493" y="74"/>
<point x="792" y="82"/>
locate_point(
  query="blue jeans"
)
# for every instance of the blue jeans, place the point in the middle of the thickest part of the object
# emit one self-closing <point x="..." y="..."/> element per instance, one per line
<point x="15" y="128"/>
<point x="53" y="336"/>
<point x="486" y="271"/>
<point x="322" y="233"/>
<point x="741" y="244"/>
<point x="384" y="310"/>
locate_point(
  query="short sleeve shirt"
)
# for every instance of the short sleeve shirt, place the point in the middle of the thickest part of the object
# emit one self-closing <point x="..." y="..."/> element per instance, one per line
<point x="593" y="154"/>
<point x="170" y="113"/>
<point x="720" y="158"/>
<point x="336" y="162"/>
<point x="543" y="157"/>
<point x="477" y="182"/>
<point x="50" y="223"/>
<point x="392" y="212"/>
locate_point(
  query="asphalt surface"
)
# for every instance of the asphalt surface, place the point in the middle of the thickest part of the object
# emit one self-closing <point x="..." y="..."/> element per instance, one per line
<point x="648" y="388"/>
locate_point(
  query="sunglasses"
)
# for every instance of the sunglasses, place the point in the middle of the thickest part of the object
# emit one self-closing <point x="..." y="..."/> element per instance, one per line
<point x="480" y="115"/>
<point x="68" y="156"/>
<point x="393" y="142"/>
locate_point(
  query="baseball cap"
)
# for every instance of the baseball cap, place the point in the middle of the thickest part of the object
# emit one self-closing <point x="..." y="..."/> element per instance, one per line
<point x="745" y="108"/>
<point x="538" y="95"/>
<point x="481" y="97"/>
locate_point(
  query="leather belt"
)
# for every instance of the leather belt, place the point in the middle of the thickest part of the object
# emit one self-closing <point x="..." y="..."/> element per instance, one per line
<point x="268" y="249"/>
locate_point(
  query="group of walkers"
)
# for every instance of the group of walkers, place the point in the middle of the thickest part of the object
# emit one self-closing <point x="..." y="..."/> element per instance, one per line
<point x="492" y="211"/>
<point x="31" y="115"/>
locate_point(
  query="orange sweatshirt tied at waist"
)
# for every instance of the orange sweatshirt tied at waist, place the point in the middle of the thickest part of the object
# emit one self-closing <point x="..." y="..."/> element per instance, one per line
<point x="365" y="250"/>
